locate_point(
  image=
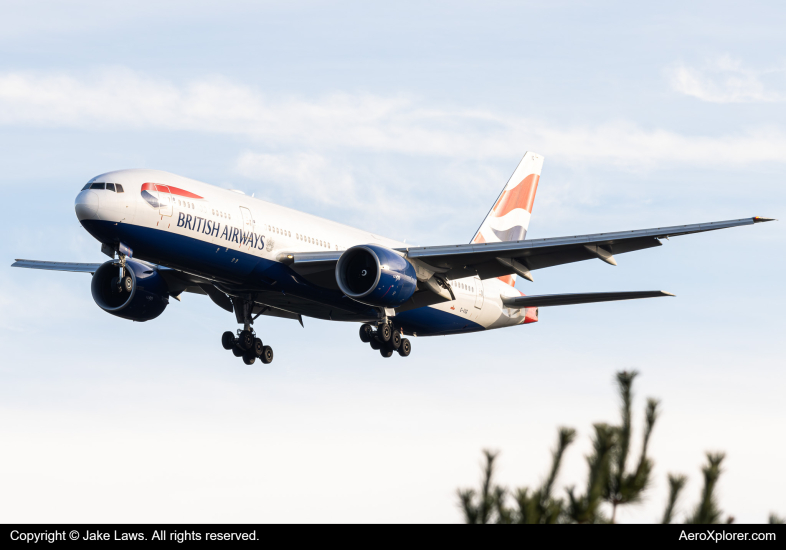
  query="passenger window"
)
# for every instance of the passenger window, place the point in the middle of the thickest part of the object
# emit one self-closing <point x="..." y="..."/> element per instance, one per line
<point x="97" y="186"/>
<point x="87" y="186"/>
<point x="110" y="187"/>
<point x="119" y="188"/>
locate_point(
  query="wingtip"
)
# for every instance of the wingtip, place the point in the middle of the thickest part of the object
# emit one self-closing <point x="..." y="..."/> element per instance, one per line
<point x="664" y="293"/>
<point x="759" y="219"/>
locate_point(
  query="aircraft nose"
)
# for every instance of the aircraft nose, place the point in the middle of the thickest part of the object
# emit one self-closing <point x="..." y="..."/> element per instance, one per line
<point x="86" y="205"/>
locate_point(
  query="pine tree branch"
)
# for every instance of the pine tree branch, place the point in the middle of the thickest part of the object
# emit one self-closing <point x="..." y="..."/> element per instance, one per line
<point x="676" y="485"/>
<point x="564" y="439"/>
<point x="486" y="506"/>
<point x="470" y="510"/>
<point x="707" y="511"/>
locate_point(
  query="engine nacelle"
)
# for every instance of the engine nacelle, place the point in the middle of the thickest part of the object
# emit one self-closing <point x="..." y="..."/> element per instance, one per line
<point x="143" y="298"/>
<point x="375" y="275"/>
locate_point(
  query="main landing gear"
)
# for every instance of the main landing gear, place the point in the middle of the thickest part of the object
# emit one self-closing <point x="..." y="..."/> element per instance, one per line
<point x="386" y="338"/>
<point x="246" y="344"/>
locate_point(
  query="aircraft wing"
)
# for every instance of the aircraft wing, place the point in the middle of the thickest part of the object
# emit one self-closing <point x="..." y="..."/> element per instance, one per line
<point x="177" y="281"/>
<point x="489" y="260"/>
<point x="57" y="266"/>
<point x="545" y="300"/>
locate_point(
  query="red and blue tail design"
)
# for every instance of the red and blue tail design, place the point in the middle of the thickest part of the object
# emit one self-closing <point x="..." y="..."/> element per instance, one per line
<point x="509" y="219"/>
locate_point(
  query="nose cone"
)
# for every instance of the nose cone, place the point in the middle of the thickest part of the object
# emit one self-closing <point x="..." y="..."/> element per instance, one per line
<point x="86" y="205"/>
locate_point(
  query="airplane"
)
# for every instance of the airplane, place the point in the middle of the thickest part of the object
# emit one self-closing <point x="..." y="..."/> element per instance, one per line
<point x="167" y="234"/>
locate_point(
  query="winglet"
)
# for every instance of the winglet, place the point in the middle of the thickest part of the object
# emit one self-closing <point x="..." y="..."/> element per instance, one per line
<point x="759" y="219"/>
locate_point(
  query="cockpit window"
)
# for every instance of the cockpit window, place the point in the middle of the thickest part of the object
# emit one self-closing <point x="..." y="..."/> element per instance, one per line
<point x="110" y="187"/>
<point x="97" y="186"/>
<point x="87" y="186"/>
<point x="119" y="188"/>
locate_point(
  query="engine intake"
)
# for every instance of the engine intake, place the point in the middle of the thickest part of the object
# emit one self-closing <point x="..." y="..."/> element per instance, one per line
<point x="141" y="295"/>
<point x="375" y="275"/>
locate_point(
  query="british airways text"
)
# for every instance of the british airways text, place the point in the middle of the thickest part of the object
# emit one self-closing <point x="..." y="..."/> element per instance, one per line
<point x="213" y="228"/>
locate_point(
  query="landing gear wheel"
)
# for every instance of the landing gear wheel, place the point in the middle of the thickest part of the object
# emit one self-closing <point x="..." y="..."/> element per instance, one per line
<point x="386" y="352"/>
<point x="366" y="333"/>
<point x="375" y="345"/>
<point x="384" y="333"/>
<point x="128" y="284"/>
<point x="237" y="351"/>
<point x="228" y="340"/>
<point x="395" y="340"/>
<point x="405" y="349"/>
<point x="267" y="355"/>
<point x="259" y="347"/>
<point x="246" y="340"/>
<point x="249" y="358"/>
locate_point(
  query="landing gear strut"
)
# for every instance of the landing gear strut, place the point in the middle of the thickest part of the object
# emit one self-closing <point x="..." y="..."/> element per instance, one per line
<point x="123" y="282"/>
<point x="246" y="344"/>
<point x="386" y="338"/>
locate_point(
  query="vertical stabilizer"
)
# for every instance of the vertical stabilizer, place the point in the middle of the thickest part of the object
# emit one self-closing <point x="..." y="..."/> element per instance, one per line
<point x="508" y="219"/>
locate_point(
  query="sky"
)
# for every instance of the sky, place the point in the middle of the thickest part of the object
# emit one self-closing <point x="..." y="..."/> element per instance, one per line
<point x="406" y="120"/>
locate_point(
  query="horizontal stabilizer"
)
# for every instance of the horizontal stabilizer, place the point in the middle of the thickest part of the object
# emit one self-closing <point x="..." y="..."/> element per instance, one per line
<point x="583" y="298"/>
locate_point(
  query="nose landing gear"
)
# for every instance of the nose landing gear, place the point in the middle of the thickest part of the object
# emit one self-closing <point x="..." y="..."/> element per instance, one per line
<point x="246" y="344"/>
<point x="386" y="338"/>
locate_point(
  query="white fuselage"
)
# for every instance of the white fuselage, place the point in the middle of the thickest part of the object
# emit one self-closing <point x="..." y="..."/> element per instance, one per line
<point x="209" y="214"/>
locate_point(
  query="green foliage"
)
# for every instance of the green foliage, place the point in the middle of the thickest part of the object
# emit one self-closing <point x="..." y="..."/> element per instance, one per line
<point x="676" y="484"/>
<point x="482" y="510"/>
<point x="775" y="520"/>
<point x="608" y="481"/>
<point x="707" y="511"/>
<point x="626" y="487"/>
<point x="585" y="508"/>
<point x="539" y="506"/>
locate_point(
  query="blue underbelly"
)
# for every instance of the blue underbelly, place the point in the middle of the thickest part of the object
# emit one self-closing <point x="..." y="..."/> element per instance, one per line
<point x="428" y="321"/>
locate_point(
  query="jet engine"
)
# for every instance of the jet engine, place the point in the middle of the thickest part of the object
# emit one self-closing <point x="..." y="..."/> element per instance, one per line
<point x="139" y="293"/>
<point x="375" y="275"/>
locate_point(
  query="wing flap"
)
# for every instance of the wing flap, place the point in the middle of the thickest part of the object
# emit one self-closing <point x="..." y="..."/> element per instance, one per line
<point x="548" y="300"/>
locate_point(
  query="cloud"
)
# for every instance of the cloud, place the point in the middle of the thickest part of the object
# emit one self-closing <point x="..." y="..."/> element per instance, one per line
<point x="119" y="99"/>
<point x="311" y="174"/>
<point x="725" y="80"/>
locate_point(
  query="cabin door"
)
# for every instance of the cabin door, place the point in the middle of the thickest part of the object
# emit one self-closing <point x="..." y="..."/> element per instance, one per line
<point x="164" y="200"/>
<point x="249" y="236"/>
<point x="478" y="293"/>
